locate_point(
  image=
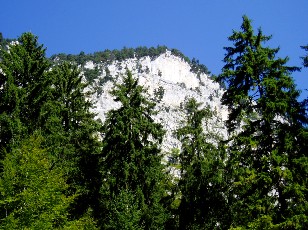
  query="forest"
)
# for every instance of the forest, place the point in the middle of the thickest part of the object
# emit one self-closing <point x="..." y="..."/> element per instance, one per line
<point x="61" y="168"/>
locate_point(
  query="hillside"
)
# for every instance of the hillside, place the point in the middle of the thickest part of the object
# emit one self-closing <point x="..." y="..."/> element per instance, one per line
<point x="170" y="79"/>
<point x="84" y="146"/>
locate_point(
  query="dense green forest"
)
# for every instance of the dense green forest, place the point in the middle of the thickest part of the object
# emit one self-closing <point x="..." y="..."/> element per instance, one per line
<point x="60" y="168"/>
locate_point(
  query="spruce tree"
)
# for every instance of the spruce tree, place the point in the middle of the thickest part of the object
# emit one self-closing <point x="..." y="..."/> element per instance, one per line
<point x="267" y="165"/>
<point x="132" y="174"/>
<point x="23" y="88"/>
<point x="72" y="133"/>
<point x="53" y="99"/>
<point x="202" y="185"/>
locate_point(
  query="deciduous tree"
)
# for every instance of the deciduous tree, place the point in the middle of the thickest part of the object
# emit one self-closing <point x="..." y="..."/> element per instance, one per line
<point x="33" y="191"/>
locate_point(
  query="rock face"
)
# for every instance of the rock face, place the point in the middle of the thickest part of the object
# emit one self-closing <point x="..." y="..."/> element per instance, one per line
<point x="170" y="80"/>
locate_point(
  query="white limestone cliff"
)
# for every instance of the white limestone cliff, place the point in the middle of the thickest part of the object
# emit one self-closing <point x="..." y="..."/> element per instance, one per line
<point x="178" y="81"/>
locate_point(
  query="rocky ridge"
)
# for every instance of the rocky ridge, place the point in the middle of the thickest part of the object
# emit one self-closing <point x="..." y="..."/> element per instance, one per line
<point x="170" y="80"/>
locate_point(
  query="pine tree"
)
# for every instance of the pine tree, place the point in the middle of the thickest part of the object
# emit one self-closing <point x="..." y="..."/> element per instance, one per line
<point x="132" y="173"/>
<point x="202" y="185"/>
<point x="267" y="166"/>
<point x="54" y="100"/>
<point x="23" y="88"/>
<point x="72" y="133"/>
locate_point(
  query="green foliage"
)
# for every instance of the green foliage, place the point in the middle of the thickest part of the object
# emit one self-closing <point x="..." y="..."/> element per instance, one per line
<point x="267" y="164"/>
<point x="196" y="67"/>
<point x="23" y="89"/>
<point x="55" y="172"/>
<point x="305" y="58"/>
<point x="131" y="161"/>
<point x="252" y="74"/>
<point x="72" y="132"/>
<point x="124" y="212"/>
<point x="2" y="43"/>
<point x="52" y="99"/>
<point x="91" y="74"/>
<point x="159" y="94"/>
<point x="202" y="184"/>
<point x="108" y="56"/>
<point x="32" y="190"/>
<point x="305" y="64"/>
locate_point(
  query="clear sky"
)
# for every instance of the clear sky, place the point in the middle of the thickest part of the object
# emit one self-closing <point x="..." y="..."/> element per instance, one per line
<point x="198" y="28"/>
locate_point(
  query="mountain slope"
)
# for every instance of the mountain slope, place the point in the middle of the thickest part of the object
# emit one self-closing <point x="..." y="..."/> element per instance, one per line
<point x="169" y="79"/>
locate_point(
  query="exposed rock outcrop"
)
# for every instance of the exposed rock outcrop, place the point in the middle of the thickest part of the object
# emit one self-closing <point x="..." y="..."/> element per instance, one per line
<point x="170" y="80"/>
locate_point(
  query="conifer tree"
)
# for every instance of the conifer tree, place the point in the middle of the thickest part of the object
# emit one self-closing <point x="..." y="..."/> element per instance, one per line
<point x="53" y="99"/>
<point x="202" y="185"/>
<point x="23" y="88"/>
<point x="72" y="133"/>
<point x="266" y="164"/>
<point x="132" y="173"/>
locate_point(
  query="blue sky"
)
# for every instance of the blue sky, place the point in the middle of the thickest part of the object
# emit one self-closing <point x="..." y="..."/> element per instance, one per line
<point x="198" y="28"/>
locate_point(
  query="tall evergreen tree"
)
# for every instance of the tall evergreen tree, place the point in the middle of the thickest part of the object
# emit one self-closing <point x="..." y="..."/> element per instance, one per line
<point x="132" y="173"/>
<point x="203" y="204"/>
<point x="53" y="99"/>
<point x="267" y="165"/>
<point x="72" y="133"/>
<point x="23" y="88"/>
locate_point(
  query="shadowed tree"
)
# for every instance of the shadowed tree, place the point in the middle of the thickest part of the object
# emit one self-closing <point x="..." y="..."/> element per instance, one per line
<point x="132" y="173"/>
<point x="202" y="185"/>
<point x="267" y="164"/>
<point x="72" y="134"/>
<point x="52" y="99"/>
